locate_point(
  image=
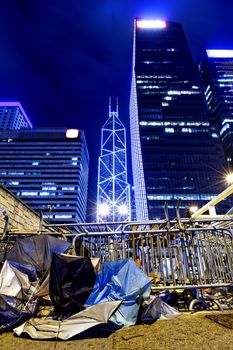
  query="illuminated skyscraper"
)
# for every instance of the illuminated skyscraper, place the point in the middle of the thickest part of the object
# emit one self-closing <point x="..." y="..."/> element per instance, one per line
<point x="13" y="116"/>
<point x="174" y="154"/>
<point x="113" y="194"/>
<point x="47" y="168"/>
<point x="216" y="71"/>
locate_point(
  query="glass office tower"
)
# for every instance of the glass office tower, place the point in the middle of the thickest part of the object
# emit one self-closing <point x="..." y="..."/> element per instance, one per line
<point x="174" y="154"/>
<point x="47" y="169"/>
<point x="216" y="70"/>
<point x="13" y="116"/>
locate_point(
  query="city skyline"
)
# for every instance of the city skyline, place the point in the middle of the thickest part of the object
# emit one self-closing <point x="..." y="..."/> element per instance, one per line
<point x="63" y="61"/>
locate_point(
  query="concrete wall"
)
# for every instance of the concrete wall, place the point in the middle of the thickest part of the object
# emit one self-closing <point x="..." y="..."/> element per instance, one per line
<point x="21" y="216"/>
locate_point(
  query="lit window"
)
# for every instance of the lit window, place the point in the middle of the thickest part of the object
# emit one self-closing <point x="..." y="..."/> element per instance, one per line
<point x="35" y="163"/>
<point x="63" y="216"/>
<point x="29" y="193"/>
<point x="227" y="126"/>
<point x="46" y="188"/>
<point x="186" y="130"/>
<point x="227" y="121"/>
<point x="169" y="130"/>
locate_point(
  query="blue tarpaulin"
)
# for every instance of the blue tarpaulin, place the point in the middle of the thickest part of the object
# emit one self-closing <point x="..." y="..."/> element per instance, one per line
<point x="121" y="280"/>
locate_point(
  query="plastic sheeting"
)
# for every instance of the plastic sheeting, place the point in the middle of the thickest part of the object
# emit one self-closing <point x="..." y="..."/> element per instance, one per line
<point x="15" y="288"/>
<point x="48" y="328"/>
<point x="72" y="279"/>
<point x="121" y="280"/>
<point x="13" y="282"/>
<point x="158" y="309"/>
<point x="33" y="255"/>
<point x="10" y="316"/>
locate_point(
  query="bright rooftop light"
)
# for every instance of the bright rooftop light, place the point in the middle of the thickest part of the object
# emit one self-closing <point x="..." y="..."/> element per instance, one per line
<point x="220" y="53"/>
<point x="151" y="24"/>
<point x="72" y="133"/>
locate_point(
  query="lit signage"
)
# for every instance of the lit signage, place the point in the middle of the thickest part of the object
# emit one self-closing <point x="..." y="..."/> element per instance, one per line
<point x="71" y="133"/>
<point x="220" y="53"/>
<point x="150" y="24"/>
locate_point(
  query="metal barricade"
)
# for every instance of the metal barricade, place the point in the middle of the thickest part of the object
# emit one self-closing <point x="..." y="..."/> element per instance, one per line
<point x="176" y="254"/>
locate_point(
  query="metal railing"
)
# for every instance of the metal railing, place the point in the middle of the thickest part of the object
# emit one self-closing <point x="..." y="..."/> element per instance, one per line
<point x="176" y="254"/>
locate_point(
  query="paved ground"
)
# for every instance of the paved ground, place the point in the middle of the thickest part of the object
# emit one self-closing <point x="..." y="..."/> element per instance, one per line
<point x="188" y="331"/>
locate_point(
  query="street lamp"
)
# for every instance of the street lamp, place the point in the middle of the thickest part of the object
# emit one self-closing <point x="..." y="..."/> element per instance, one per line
<point x="193" y="209"/>
<point x="104" y="209"/>
<point x="122" y="209"/>
<point x="229" y="178"/>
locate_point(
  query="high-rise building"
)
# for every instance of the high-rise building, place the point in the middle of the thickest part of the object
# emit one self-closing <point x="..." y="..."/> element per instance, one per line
<point x="113" y="193"/>
<point x="216" y="70"/>
<point x="174" y="154"/>
<point x="13" y="116"/>
<point x="48" y="169"/>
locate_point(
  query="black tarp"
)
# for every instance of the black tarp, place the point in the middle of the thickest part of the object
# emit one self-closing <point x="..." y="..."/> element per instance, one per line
<point x="71" y="282"/>
<point x="152" y="311"/>
<point x="33" y="255"/>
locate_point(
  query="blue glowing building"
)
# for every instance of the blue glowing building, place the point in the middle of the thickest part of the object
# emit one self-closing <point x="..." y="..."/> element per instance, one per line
<point x="216" y="70"/>
<point x="13" y="116"/>
<point x="47" y="168"/>
<point x="113" y="193"/>
<point x="174" y="153"/>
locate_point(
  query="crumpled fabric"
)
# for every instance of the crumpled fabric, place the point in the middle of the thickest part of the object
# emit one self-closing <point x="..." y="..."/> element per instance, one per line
<point x="121" y="280"/>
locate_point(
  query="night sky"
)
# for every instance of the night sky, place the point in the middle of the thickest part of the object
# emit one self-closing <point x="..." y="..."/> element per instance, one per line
<point x="62" y="59"/>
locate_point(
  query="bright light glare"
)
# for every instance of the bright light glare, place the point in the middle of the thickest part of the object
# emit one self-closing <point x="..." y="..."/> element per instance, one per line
<point x="122" y="209"/>
<point x="229" y="178"/>
<point x="151" y="24"/>
<point x="193" y="209"/>
<point x="220" y="53"/>
<point x="72" y="133"/>
<point x="104" y="209"/>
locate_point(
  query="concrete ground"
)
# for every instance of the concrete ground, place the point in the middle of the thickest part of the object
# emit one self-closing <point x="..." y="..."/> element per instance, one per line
<point x="188" y="331"/>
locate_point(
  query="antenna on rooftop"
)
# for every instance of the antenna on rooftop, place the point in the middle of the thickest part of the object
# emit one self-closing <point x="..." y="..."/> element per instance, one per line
<point x="110" y="103"/>
<point x="117" y="105"/>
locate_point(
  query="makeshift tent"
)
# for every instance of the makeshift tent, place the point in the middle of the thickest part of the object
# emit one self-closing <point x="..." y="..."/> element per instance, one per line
<point x="33" y="255"/>
<point x="20" y="277"/>
<point x="48" y="328"/>
<point x="121" y="280"/>
<point x="71" y="281"/>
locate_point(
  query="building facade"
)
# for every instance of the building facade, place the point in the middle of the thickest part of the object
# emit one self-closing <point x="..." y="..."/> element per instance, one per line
<point x="47" y="169"/>
<point x="13" y="116"/>
<point x="216" y="70"/>
<point x="174" y="153"/>
<point x="113" y="191"/>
